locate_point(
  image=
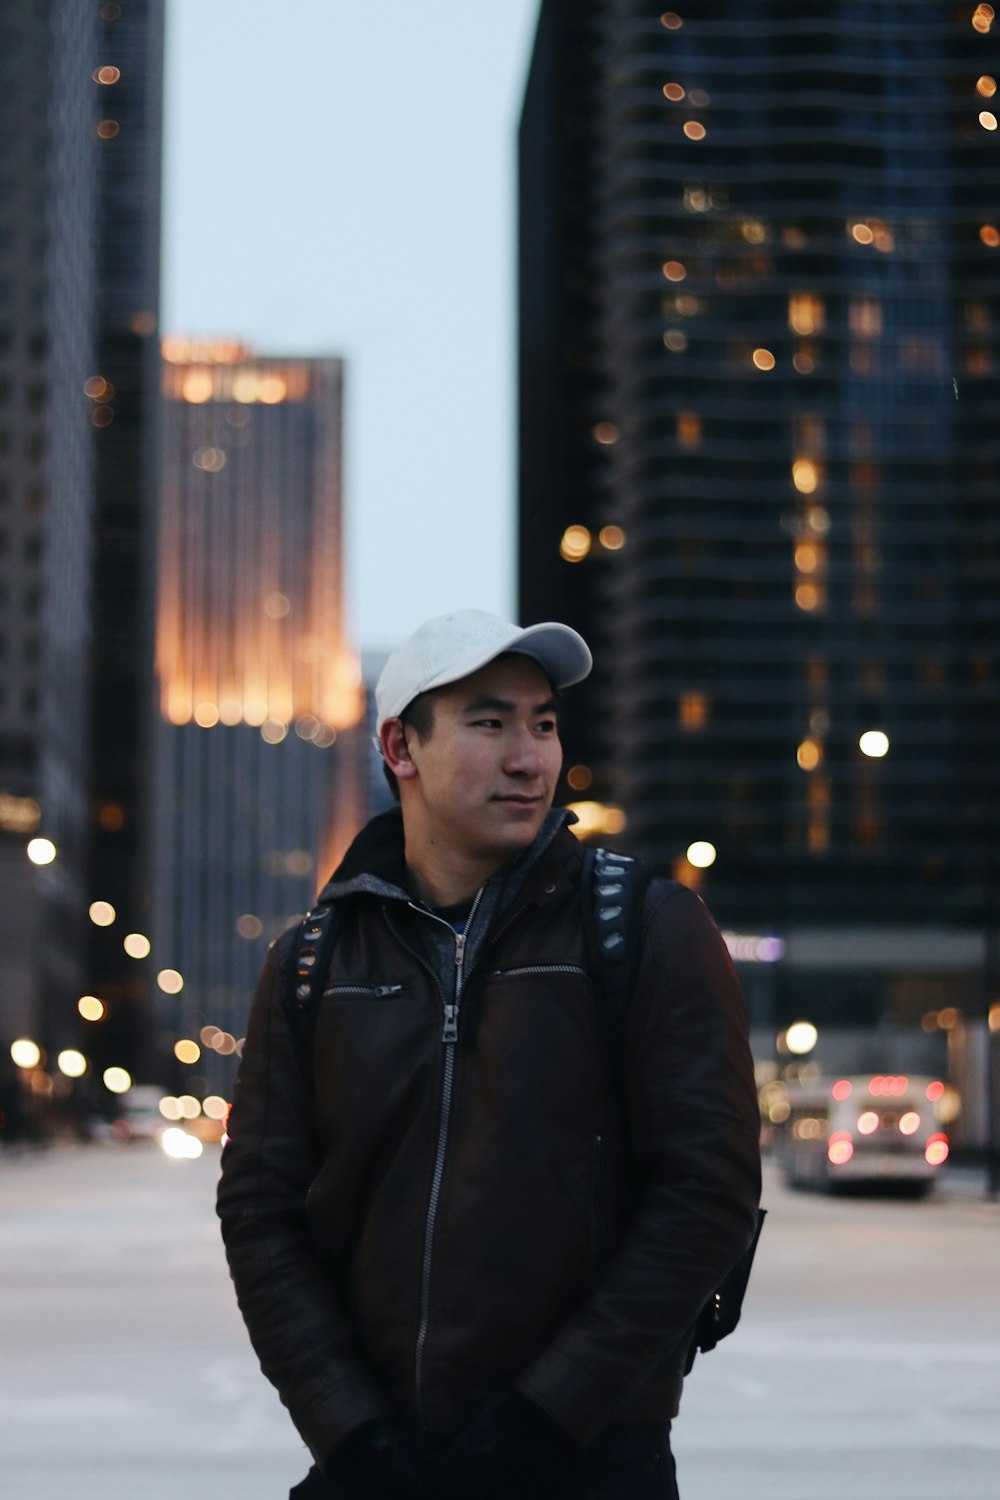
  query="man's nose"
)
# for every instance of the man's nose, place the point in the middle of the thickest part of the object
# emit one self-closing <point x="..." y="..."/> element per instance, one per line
<point x="524" y="754"/>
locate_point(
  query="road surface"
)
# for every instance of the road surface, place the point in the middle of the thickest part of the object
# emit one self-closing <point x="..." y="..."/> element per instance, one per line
<point x="867" y="1364"/>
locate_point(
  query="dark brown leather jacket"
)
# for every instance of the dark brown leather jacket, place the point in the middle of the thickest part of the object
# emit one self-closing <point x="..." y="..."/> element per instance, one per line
<point x="414" y="1224"/>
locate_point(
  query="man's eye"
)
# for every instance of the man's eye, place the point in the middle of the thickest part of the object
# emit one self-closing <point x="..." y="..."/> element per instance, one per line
<point x="547" y="726"/>
<point x="486" y="723"/>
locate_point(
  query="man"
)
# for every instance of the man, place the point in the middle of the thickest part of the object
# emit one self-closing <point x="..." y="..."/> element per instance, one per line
<point x="469" y="1245"/>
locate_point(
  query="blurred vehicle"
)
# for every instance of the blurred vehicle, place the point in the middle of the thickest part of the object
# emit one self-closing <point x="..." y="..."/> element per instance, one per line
<point x="138" y="1117"/>
<point x="868" y="1129"/>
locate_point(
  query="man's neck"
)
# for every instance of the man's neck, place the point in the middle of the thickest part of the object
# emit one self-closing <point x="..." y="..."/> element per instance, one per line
<point x="440" y="879"/>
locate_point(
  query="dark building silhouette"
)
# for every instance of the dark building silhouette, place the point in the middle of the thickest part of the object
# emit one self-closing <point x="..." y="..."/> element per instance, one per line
<point x="124" y="393"/>
<point x="760" y="293"/>
<point x="80" y="101"/>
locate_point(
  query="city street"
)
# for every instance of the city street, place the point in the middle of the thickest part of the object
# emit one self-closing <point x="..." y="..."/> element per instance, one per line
<point x="867" y="1364"/>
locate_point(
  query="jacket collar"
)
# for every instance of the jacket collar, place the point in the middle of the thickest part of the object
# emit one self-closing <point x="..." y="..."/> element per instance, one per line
<point x="375" y="864"/>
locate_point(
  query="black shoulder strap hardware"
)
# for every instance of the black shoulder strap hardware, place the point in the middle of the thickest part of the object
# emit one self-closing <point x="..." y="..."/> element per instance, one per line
<point x="613" y="893"/>
<point x="313" y="950"/>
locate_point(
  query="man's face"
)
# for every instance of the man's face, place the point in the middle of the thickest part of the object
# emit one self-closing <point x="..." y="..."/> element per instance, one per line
<point x="487" y="773"/>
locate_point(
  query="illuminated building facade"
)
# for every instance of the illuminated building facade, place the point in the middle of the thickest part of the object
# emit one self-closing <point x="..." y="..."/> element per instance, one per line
<point x="760" y="301"/>
<point x="256" y="680"/>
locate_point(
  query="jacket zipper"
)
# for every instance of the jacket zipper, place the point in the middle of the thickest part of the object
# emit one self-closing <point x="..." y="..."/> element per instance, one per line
<point x="449" y="1036"/>
<point x="377" y="991"/>
<point x="538" y="969"/>
<point x="598" y="1206"/>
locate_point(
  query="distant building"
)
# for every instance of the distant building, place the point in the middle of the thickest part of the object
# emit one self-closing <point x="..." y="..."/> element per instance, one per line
<point x="74" y="236"/>
<point x="760" y="301"/>
<point x="254" y="798"/>
<point x="123" y="391"/>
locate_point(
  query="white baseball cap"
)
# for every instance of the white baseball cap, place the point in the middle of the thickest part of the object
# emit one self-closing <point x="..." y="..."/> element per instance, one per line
<point x="450" y="647"/>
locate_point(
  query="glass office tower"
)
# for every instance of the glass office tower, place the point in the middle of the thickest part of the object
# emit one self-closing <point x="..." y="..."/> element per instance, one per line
<point x="255" y="797"/>
<point x="760" y="278"/>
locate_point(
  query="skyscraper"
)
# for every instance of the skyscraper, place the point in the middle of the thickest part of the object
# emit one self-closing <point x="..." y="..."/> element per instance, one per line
<point x="79" y="251"/>
<point x="255" y="675"/>
<point x="760" y="273"/>
<point x="124" y="400"/>
<point x="47" y="331"/>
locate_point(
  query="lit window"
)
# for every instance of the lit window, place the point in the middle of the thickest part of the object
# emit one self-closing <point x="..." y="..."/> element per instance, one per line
<point x="106" y="75"/>
<point x="674" y="270"/>
<point x="611" y="538"/>
<point x="763" y="359"/>
<point x="580" y="778"/>
<point x="688" y="429"/>
<point x="108" y="129"/>
<point x="695" y="130"/>
<point x="675" y="341"/>
<point x="808" y="596"/>
<point x="874" y="743"/>
<point x="862" y="233"/>
<point x="987" y="119"/>
<point x="809" y="754"/>
<point x="197" y="386"/>
<point x="692" y="710"/>
<point x="671" y="20"/>
<point x="575" y="544"/>
<point x="605" y="433"/>
<point x="865" y="317"/>
<point x="990" y="235"/>
<point x="673" y="91"/>
<point x="986" y="86"/>
<point x="805" y="312"/>
<point x="805" y="476"/>
<point x="209" y="460"/>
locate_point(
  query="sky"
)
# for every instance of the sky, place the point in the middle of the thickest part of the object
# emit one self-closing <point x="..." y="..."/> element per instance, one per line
<point x="340" y="179"/>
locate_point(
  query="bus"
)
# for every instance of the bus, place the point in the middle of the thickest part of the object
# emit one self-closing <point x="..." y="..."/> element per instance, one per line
<point x="871" y="1129"/>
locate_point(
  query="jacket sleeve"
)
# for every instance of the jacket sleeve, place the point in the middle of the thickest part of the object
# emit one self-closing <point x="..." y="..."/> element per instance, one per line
<point x="289" y="1303"/>
<point x="694" y="1124"/>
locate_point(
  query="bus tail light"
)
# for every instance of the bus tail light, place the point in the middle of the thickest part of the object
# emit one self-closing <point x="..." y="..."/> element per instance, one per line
<point x="936" y="1150"/>
<point x="840" y="1148"/>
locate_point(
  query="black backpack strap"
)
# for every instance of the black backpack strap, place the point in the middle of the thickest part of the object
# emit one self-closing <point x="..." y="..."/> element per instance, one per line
<point x="613" y="888"/>
<point x="313" y="951"/>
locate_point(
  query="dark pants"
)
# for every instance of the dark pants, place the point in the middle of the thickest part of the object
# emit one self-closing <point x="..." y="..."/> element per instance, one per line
<point x="625" y="1463"/>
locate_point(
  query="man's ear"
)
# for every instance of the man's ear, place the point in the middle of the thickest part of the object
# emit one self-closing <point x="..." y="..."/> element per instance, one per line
<point x="396" y="751"/>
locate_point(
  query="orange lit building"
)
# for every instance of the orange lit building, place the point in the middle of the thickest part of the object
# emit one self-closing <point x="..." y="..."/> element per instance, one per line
<point x="760" y="304"/>
<point x="255" y="678"/>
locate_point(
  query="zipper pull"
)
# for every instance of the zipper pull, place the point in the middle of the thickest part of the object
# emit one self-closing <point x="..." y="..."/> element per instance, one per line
<point x="450" y="1032"/>
<point x="459" y="949"/>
